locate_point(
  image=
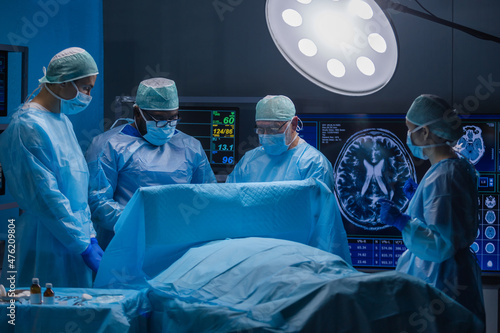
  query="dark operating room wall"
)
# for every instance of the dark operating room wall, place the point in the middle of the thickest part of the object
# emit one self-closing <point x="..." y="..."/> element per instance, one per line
<point x="223" y="48"/>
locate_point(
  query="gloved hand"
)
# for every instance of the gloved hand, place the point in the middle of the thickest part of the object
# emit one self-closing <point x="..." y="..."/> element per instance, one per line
<point x="391" y="215"/>
<point x="92" y="257"/>
<point x="409" y="188"/>
<point x="95" y="245"/>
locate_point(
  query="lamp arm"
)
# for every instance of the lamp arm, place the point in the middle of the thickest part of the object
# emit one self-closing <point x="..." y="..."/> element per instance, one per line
<point x="389" y="4"/>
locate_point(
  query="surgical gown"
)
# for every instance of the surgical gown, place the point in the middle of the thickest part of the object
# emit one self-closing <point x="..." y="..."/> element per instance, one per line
<point x="299" y="163"/>
<point x="120" y="161"/>
<point x="47" y="175"/>
<point x="443" y="225"/>
<point x="302" y="162"/>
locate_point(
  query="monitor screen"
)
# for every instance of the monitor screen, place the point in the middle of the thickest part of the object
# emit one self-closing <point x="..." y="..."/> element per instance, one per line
<point x="2" y="253"/>
<point x="371" y="161"/>
<point x="216" y="129"/>
<point x="3" y="83"/>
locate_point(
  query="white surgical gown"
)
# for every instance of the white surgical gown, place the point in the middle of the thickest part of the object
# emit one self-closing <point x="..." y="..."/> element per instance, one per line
<point x="120" y="161"/>
<point x="47" y="175"/>
<point x="302" y="162"/>
<point x="443" y="225"/>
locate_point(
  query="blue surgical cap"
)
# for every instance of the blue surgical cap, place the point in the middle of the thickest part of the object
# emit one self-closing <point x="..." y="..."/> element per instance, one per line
<point x="275" y="108"/>
<point x="158" y="94"/>
<point x="437" y="114"/>
<point x="69" y="65"/>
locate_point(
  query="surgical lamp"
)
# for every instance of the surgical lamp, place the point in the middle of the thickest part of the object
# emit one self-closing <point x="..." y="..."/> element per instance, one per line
<point x="344" y="46"/>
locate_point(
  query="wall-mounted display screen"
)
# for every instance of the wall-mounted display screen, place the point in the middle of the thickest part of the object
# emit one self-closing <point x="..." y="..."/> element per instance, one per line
<point x="216" y="128"/>
<point x="2" y="253"/>
<point x="371" y="161"/>
<point x="2" y="177"/>
<point x="3" y="83"/>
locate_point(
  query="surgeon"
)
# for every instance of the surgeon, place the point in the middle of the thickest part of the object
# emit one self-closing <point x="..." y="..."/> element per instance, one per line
<point x="148" y="151"/>
<point x="442" y="220"/>
<point x="283" y="155"/>
<point x="47" y="175"/>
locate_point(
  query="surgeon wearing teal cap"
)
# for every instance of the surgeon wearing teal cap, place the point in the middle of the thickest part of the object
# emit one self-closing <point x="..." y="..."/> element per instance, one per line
<point x="47" y="175"/>
<point x="283" y="155"/>
<point x="442" y="218"/>
<point x="147" y="151"/>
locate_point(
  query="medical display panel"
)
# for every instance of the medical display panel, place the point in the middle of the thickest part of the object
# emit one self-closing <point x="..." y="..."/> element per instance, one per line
<point x="2" y="177"/>
<point x="370" y="159"/>
<point x="216" y="128"/>
<point x="3" y="83"/>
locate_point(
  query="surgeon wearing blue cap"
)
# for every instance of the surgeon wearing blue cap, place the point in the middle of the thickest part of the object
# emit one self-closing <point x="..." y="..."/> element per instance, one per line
<point x="442" y="220"/>
<point x="47" y="175"/>
<point x="146" y="152"/>
<point x="283" y="155"/>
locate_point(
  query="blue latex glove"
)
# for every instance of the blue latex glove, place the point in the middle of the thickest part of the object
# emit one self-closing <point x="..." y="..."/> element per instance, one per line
<point x="409" y="188"/>
<point x="92" y="257"/>
<point x="96" y="246"/>
<point x="391" y="215"/>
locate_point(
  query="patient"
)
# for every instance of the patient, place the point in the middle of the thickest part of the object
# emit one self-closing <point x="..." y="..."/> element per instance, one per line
<point x="271" y="285"/>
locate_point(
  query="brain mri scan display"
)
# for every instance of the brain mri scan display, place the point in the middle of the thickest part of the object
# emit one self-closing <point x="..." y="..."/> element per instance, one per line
<point x="471" y="144"/>
<point x="490" y="217"/>
<point x="490" y="202"/>
<point x="373" y="164"/>
<point x="490" y="232"/>
<point x="475" y="247"/>
<point x="371" y="161"/>
<point x="490" y="248"/>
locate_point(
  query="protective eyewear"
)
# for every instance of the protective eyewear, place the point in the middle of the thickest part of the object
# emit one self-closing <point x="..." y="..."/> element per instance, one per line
<point x="162" y="123"/>
<point x="269" y="130"/>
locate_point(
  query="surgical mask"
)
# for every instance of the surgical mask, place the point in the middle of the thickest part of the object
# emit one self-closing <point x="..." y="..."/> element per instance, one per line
<point x="74" y="105"/>
<point x="275" y="144"/>
<point x="418" y="151"/>
<point x="157" y="136"/>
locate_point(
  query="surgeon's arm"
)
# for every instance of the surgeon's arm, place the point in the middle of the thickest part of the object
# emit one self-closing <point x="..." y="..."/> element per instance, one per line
<point x="203" y="172"/>
<point x="236" y="175"/>
<point x="318" y="167"/>
<point x="104" y="171"/>
<point x="244" y="170"/>
<point x="432" y="240"/>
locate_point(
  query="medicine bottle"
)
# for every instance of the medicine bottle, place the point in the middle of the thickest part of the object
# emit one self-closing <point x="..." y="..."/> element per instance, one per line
<point x="35" y="292"/>
<point x="48" y="295"/>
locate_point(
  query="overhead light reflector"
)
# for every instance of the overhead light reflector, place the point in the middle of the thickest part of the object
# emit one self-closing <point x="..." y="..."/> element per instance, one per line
<point x="345" y="46"/>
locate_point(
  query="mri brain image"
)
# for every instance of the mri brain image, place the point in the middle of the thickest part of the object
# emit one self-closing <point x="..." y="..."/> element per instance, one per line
<point x="475" y="247"/>
<point x="490" y="202"/>
<point x="490" y="248"/>
<point x="490" y="217"/>
<point x="471" y="144"/>
<point x="372" y="164"/>
<point x="490" y="232"/>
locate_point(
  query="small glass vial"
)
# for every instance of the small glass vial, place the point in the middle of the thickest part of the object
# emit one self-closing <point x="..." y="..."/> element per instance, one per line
<point x="48" y="295"/>
<point x="35" y="292"/>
